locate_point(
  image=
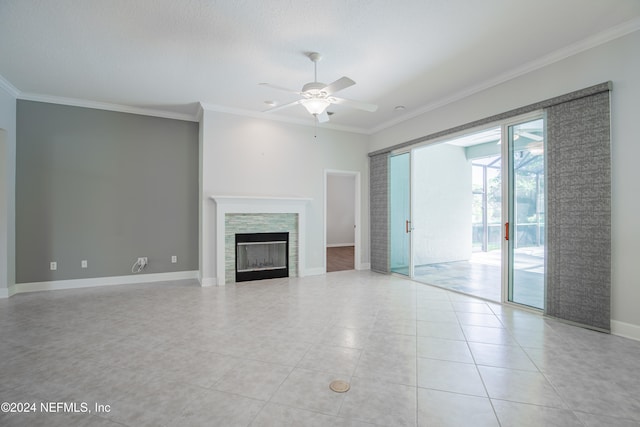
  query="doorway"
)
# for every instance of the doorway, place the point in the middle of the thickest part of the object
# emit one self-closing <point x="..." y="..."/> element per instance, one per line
<point x="458" y="214"/>
<point x="342" y="214"/>
<point x="467" y="213"/>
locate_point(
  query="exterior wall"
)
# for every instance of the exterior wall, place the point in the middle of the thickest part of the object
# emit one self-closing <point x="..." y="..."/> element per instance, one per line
<point x="442" y="205"/>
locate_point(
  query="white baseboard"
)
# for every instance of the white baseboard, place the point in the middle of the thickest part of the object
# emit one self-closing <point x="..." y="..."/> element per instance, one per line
<point x="53" y="285"/>
<point x="314" y="271"/>
<point x="364" y="266"/>
<point x="339" y="245"/>
<point x="4" y="293"/>
<point x="205" y="282"/>
<point x="626" y="330"/>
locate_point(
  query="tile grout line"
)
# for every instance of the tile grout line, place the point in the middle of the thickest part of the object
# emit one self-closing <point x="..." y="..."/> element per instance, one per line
<point x="350" y="378"/>
<point x="519" y="346"/>
<point x="475" y="363"/>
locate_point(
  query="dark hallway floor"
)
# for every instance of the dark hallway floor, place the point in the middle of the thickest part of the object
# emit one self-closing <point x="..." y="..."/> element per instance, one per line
<point x="340" y="258"/>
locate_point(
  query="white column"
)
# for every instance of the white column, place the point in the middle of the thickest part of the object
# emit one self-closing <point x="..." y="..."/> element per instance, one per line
<point x="8" y="96"/>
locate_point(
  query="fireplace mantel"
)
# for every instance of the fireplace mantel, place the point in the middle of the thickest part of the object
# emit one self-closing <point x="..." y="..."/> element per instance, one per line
<point x="257" y="204"/>
<point x="258" y="200"/>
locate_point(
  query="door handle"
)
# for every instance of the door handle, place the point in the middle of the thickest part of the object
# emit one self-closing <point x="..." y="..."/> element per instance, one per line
<point x="406" y="226"/>
<point x="506" y="231"/>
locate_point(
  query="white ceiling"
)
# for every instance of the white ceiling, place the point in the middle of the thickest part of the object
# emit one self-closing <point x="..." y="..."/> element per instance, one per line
<point x="169" y="55"/>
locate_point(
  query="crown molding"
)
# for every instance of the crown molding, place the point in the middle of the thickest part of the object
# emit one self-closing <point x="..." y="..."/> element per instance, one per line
<point x="8" y="87"/>
<point x="264" y="116"/>
<point x="601" y="38"/>
<point x="200" y="112"/>
<point x="106" y="106"/>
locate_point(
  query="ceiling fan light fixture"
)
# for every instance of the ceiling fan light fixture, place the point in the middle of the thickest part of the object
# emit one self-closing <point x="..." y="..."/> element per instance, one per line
<point x="316" y="96"/>
<point x="315" y="106"/>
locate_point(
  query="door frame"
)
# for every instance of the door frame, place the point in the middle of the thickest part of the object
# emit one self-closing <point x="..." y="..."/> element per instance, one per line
<point x="409" y="151"/>
<point x="357" y="262"/>
<point x="505" y="191"/>
<point x="507" y="205"/>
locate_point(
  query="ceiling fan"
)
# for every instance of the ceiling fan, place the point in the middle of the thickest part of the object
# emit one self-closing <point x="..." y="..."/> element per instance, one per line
<point x="317" y="96"/>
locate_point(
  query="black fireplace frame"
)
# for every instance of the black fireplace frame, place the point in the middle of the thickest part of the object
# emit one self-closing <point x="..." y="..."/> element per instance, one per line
<point x="245" y="276"/>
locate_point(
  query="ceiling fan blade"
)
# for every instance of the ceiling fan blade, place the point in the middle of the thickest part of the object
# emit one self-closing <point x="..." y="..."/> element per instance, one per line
<point x="280" y="107"/>
<point x="279" y="88"/>
<point x="354" y="104"/>
<point x="341" y="83"/>
<point x="323" y="118"/>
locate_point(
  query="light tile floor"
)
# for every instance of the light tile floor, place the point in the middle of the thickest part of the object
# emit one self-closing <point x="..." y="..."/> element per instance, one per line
<point x="263" y="354"/>
<point x="481" y="275"/>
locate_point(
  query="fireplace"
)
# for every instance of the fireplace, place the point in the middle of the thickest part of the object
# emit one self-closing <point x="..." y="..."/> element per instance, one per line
<point x="261" y="256"/>
<point x="254" y="214"/>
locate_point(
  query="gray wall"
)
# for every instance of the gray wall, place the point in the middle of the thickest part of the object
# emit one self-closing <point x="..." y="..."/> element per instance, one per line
<point x="104" y="187"/>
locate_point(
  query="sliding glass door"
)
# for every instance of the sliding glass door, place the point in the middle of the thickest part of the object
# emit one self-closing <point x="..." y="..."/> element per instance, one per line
<point x="468" y="213"/>
<point x="525" y="228"/>
<point x="457" y="214"/>
<point x="400" y="214"/>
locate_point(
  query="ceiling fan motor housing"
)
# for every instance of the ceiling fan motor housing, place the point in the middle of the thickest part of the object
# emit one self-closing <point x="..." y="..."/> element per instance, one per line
<point x="317" y="96"/>
<point x="314" y="90"/>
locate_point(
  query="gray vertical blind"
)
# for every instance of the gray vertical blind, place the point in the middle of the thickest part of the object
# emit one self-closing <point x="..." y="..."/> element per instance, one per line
<point x="579" y="211"/>
<point x="379" y="212"/>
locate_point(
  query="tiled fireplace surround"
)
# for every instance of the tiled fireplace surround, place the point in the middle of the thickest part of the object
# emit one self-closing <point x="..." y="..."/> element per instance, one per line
<point x="244" y="214"/>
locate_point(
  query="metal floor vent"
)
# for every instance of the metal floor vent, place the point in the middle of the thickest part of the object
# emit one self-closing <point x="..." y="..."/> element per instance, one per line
<point x="339" y="386"/>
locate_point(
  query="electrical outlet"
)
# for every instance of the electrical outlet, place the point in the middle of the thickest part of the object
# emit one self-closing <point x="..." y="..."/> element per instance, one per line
<point x="53" y="265"/>
<point x="174" y="259"/>
<point x="84" y="263"/>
